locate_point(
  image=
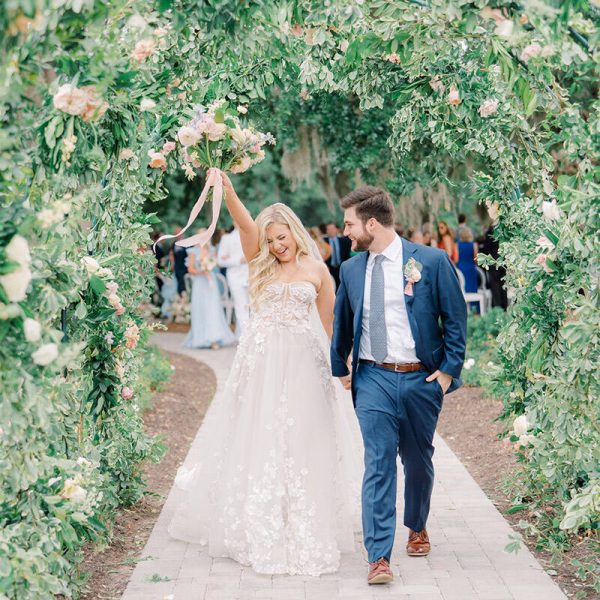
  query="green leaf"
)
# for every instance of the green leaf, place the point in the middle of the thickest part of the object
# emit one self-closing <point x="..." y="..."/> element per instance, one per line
<point x="97" y="285"/>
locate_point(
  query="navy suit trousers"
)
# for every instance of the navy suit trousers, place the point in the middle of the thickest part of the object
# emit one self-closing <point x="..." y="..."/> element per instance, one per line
<point x="398" y="414"/>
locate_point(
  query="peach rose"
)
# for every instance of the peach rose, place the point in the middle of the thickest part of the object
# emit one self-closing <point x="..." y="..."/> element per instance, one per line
<point x="157" y="160"/>
<point x="95" y="107"/>
<point x="71" y="100"/>
<point x="242" y="165"/>
<point x="530" y="52"/>
<point x="168" y="147"/>
<point x="453" y="96"/>
<point x="143" y="49"/>
<point x="488" y="108"/>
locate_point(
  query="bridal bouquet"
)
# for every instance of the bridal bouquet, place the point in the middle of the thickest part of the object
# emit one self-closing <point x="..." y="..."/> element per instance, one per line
<point x="216" y="139"/>
<point x="207" y="264"/>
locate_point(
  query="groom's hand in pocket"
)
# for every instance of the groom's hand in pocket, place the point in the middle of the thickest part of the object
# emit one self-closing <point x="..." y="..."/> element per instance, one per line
<point x="443" y="379"/>
<point x="346" y="381"/>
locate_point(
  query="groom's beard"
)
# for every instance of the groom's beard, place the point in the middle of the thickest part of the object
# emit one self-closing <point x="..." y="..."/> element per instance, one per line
<point x="363" y="242"/>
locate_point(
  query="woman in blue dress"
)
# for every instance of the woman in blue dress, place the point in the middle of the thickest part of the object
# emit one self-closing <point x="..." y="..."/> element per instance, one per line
<point x="467" y="254"/>
<point x="209" y="329"/>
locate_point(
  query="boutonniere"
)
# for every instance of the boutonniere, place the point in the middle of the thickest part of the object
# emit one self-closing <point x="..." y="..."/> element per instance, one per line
<point x="412" y="273"/>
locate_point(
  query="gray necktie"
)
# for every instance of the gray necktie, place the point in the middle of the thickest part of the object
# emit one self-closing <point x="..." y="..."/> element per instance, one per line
<point x="377" y="329"/>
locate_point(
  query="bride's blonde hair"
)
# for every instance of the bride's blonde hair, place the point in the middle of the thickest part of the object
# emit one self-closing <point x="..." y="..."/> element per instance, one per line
<point x="264" y="265"/>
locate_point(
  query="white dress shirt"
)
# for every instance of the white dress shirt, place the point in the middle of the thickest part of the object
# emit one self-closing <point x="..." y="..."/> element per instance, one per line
<point x="231" y="256"/>
<point x="400" y="341"/>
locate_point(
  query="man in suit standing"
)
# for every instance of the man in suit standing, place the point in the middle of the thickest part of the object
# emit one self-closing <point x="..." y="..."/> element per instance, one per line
<point x="177" y="256"/>
<point x="340" y="250"/>
<point x="388" y="309"/>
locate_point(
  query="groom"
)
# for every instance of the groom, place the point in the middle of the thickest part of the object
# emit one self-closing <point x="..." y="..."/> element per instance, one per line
<point x="400" y="310"/>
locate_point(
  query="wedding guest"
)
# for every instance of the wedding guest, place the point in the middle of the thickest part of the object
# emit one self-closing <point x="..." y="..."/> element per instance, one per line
<point x="495" y="273"/>
<point x="446" y="241"/>
<point x="462" y="224"/>
<point x="399" y="229"/>
<point x="209" y="328"/>
<point x="322" y="245"/>
<point x="415" y="235"/>
<point x="231" y="257"/>
<point x="426" y="230"/>
<point x="340" y="251"/>
<point x="467" y="255"/>
<point x="177" y="256"/>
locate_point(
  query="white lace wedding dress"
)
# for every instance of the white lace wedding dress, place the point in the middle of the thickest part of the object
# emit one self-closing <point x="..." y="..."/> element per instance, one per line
<point x="278" y="487"/>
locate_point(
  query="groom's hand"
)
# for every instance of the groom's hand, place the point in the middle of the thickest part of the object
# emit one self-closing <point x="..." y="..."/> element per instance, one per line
<point x="443" y="379"/>
<point x="346" y="381"/>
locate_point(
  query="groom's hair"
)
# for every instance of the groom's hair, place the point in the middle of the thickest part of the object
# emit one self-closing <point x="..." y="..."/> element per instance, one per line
<point x="370" y="203"/>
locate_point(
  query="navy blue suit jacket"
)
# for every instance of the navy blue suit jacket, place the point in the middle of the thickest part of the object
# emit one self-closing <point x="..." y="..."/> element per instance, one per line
<point x="437" y="313"/>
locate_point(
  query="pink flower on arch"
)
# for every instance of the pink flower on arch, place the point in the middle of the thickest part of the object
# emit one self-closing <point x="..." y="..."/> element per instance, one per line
<point x="127" y="393"/>
<point x="143" y="49"/>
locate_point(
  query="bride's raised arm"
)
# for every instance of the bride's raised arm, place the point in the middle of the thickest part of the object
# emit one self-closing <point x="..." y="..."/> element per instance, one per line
<point x="240" y="215"/>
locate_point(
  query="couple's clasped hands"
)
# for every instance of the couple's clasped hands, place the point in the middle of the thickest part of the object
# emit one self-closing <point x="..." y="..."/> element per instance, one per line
<point x="443" y="379"/>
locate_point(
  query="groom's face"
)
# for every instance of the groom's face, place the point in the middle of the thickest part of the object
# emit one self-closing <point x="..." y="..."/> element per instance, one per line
<point x="355" y="229"/>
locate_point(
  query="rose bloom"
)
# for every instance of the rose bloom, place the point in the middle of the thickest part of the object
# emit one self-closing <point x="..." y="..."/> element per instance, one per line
<point x="530" y="52"/>
<point x="188" y="136"/>
<point x="214" y="131"/>
<point x="242" y="109"/>
<point x="488" y="108"/>
<point x="453" y="96"/>
<point x="544" y="243"/>
<point x="157" y="160"/>
<point x="112" y="287"/>
<point x="18" y="250"/>
<point x="520" y="425"/>
<point x="504" y="28"/>
<point x="242" y="165"/>
<point x="95" y="107"/>
<point x="436" y="84"/>
<point x="45" y="354"/>
<point x="143" y="49"/>
<point x="126" y="154"/>
<point x="120" y="310"/>
<point x="168" y="147"/>
<point x="147" y="104"/>
<point x="71" y="100"/>
<point x="15" y="284"/>
<point x="32" y="330"/>
<point x="127" y="393"/>
<point x="72" y="491"/>
<point x="550" y="210"/>
<point x="91" y="264"/>
<point x="540" y="259"/>
<point x="393" y="58"/>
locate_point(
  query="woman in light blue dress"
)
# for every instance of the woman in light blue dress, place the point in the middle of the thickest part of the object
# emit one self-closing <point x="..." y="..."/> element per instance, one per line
<point x="209" y="329"/>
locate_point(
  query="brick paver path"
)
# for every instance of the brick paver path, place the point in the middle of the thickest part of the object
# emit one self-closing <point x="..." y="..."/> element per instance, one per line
<point x="467" y="561"/>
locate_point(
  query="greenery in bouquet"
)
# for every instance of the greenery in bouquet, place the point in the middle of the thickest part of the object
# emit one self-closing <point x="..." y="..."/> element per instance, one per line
<point x="216" y="137"/>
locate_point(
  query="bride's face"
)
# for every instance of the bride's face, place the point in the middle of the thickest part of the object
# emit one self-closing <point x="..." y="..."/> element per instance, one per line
<point x="281" y="242"/>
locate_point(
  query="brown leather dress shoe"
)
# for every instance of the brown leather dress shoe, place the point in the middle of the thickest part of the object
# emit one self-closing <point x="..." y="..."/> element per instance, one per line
<point x="418" y="543"/>
<point x="380" y="572"/>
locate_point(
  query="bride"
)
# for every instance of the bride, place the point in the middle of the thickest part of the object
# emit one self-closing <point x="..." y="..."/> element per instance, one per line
<point x="278" y="487"/>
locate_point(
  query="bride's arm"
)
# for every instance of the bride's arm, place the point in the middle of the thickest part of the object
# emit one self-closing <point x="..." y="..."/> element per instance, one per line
<point x="239" y="213"/>
<point x="326" y="300"/>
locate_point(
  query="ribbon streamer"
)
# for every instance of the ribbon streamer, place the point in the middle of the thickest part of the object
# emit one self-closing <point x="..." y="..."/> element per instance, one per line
<point x="213" y="180"/>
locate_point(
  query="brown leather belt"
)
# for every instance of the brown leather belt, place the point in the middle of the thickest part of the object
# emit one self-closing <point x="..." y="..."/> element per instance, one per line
<point x="397" y="367"/>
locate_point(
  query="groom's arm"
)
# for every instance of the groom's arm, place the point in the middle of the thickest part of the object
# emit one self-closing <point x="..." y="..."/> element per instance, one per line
<point x="343" y="323"/>
<point x="453" y="310"/>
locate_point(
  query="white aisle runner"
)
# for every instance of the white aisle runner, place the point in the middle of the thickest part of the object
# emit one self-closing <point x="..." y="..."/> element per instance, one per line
<point x="467" y="561"/>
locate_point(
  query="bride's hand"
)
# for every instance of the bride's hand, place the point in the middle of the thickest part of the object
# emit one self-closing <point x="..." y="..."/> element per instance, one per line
<point x="346" y="382"/>
<point x="227" y="185"/>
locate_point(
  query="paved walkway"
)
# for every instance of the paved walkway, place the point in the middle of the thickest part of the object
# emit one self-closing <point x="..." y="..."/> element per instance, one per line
<point x="467" y="561"/>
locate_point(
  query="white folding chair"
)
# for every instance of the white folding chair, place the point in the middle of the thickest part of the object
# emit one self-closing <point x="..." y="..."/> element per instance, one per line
<point x="471" y="296"/>
<point x="226" y="299"/>
<point x="483" y="288"/>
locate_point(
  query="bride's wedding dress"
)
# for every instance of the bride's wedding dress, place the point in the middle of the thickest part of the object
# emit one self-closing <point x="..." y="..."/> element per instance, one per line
<point x="278" y="487"/>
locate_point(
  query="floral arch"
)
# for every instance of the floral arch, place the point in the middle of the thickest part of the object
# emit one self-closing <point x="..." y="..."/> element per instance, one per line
<point x="498" y="98"/>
